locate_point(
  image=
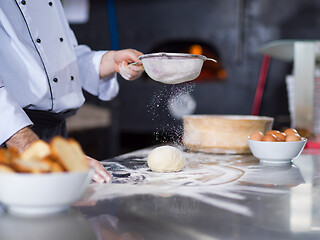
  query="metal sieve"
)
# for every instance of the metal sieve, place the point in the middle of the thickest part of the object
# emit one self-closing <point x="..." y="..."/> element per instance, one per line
<point x="173" y="68"/>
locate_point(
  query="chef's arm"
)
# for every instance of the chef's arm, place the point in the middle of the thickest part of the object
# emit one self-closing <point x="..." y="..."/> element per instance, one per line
<point x="110" y="63"/>
<point x="13" y="121"/>
<point x="22" y="139"/>
<point x="98" y="70"/>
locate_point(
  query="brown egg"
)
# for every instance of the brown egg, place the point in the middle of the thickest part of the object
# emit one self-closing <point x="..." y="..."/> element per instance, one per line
<point x="270" y="138"/>
<point x="281" y="136"/>
<point x="272" y="132"/>
<point x="293" y="137"/>
<point x="256" y="136"/>
<point x="290" y="131"/>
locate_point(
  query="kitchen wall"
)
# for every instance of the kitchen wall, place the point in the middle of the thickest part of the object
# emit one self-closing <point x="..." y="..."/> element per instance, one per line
<point x="235" y="28"/>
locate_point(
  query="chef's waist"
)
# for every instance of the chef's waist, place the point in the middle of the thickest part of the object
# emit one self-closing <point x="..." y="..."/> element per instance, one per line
<point x="47" y="116"/>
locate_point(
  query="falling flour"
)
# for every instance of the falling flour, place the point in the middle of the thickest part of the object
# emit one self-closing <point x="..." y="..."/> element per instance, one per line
<point x="166" y="108"/>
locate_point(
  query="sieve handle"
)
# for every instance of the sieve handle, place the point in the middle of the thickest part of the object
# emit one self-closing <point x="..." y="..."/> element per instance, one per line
<point x="210" y="59"/>
<point x="135" y="63"/>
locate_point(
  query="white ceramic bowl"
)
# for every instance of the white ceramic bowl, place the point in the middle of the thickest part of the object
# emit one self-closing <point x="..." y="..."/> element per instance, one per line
<point x="38" y="194"/>
<point x="276" y="152"/>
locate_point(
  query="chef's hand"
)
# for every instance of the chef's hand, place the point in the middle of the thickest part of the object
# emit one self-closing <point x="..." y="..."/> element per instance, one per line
<point x="130" y="72"/>
<point x="101" y="175"/>
<point x="119" y="61"/>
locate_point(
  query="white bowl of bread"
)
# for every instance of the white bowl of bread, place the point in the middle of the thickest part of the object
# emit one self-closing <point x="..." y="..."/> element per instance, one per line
<point x="222" y="134"/>
<point x="46" y="178"/>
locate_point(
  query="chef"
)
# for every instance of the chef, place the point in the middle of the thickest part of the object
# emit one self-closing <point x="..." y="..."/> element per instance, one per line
<point x="43" y="71"/>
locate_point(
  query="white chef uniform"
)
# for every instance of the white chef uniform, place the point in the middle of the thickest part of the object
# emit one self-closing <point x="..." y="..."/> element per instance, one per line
<point x="42" y="67"/>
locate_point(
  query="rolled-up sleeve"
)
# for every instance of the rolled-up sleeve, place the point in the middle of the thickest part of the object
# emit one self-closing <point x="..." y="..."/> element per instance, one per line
<point x="89" y="65"/>
<point x="13" y="118"/>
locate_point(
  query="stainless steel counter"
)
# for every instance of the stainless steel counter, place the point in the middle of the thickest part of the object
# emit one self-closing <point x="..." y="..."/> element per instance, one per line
<point x="214" y="197"/>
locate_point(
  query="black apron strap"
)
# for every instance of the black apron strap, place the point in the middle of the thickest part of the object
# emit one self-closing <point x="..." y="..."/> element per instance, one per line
<point x="47" y="124"/>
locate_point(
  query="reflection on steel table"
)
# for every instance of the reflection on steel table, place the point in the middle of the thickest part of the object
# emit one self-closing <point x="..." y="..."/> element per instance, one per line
<point x="214" y="197"/>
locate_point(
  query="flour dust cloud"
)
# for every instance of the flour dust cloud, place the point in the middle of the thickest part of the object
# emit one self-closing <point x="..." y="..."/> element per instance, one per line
<point x="166" y="109"/>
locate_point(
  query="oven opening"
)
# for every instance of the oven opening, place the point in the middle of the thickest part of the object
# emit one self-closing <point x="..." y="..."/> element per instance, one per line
<point x="210" y="72"/>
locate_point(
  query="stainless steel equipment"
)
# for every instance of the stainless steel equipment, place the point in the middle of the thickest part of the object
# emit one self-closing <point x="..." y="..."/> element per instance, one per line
<point x="302" y="86"/>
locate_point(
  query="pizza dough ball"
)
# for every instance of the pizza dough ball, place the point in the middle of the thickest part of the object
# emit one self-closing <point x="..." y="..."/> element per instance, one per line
<point x="166" y="159"/>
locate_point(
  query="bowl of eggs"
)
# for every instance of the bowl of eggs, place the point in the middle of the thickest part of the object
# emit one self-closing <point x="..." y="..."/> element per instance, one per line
<point x="275" y="146"/>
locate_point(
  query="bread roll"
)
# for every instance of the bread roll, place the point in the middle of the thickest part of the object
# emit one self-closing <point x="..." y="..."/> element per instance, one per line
<point x="6" y="169"/>
<point x="30" y="166"/>
<point x="37" y="150"/>
<point x="69" y="154"/>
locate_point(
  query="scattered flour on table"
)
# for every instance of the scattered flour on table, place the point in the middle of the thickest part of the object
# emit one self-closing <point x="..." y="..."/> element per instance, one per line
<point x="219" y="180"/>
<point x="202" y="179"/>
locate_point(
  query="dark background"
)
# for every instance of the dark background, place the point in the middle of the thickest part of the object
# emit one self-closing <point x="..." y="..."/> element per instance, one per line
<point x="235" y="29"/>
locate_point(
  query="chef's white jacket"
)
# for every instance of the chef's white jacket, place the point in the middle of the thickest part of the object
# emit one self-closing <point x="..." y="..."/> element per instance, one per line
<point x="42" y="66"/>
